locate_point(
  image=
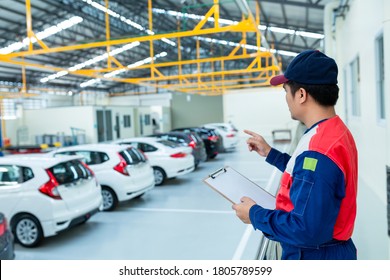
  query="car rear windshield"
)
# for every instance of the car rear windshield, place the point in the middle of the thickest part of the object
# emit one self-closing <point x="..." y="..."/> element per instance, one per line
<point x="70" y="171"/>
<point x="14" y="174"/>
<point x="132" y="156"/>
<point x="90" y="157"/>
<point x="168" y="143"/>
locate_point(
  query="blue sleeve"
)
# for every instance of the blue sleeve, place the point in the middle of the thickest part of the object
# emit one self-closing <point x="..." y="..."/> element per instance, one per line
<point x="316" y="192"/>
<point x="278" y="159"/>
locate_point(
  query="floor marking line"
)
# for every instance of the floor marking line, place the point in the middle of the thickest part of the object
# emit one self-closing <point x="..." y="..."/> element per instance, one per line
<point x="243" y="242"/>
<point x="182" y="210"/>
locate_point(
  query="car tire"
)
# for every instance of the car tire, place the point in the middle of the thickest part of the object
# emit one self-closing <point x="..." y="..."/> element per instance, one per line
<point x="213" y="156"/>
<point x="159" y="176"/>
<point x="110" y="200"/>
<point x="27" y="230"/>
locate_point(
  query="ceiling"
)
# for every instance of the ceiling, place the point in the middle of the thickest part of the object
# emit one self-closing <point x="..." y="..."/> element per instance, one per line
<point x="132" y="21"/>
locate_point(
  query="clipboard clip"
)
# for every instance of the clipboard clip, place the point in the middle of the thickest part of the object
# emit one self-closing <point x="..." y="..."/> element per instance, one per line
<point x="218" y="172"/>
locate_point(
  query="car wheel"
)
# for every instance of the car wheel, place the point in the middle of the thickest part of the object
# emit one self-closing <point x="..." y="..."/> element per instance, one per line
<point x="159" y="176"/>
<point x="213" y="156"/>
<point x="110" y="201"/>
<point x="27" y="230"/>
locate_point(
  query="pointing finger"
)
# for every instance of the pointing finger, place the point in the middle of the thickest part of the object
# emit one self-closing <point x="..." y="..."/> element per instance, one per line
<point x="251" y="133"/>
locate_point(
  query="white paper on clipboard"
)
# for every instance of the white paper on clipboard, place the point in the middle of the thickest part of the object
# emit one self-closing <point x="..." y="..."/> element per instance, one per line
<point x="233" y="186"/>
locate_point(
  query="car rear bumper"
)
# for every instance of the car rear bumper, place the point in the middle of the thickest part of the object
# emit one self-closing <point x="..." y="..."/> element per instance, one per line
<point x="7" y="247"/>
<point x="70" y="218"/>
<point x="127" y="187"/>
<point x="181" y="171"/>
<point x="130" y="193"/>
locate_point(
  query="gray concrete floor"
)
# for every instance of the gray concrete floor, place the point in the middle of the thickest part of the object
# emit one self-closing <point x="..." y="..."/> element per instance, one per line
<point x="181" y="220"/>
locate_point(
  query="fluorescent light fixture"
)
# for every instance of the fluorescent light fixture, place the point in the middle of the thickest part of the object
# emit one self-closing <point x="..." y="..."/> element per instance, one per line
<point x="126" y="20"/>
<point x="130" y="66"/>
<point x="89" y="83"/>
<point x="281" y="30"/>
<point x="90" y="61"/>
<point x="42" y="35"/>
<point x="246" y="46"/>
<point x="310" y="34"/>
<point x="232" y="22"/>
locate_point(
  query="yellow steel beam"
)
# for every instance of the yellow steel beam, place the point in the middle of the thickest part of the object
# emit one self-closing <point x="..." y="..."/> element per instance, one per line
<point x="184" y="62"/>
<point x="205" y="19"/>
<point x="29" y="24"/>
<point x="245" y="25"/>
<point x="107" y="17"/>
<point x="205" y="74"/>
<point x="217" y="83"/>
<point x="151" y="50"/>
<point x="205" y="82"/>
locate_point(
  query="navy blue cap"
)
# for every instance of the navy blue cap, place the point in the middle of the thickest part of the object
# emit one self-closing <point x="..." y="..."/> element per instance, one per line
<point x="310" y="67"/>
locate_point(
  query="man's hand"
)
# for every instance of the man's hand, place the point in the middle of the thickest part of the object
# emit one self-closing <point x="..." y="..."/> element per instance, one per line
<point x="242" y="209"/>
<point x="257" y="143"/>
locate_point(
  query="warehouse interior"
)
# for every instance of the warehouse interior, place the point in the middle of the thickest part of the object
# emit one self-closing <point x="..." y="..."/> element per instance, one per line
<point x="91" y="71"/>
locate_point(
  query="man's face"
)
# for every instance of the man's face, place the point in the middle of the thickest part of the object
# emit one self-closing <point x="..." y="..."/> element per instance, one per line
<point x="292" y="101"/>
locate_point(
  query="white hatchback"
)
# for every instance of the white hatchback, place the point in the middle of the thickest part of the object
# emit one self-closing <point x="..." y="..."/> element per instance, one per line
<point x="122" y="171"/>
<point x="41" y="196"/>
<point x="228" y="132"/>
<point x="167" y="158"/>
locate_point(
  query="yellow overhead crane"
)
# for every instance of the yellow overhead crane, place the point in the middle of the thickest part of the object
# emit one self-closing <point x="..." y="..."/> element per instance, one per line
<point x="215" y="81"/>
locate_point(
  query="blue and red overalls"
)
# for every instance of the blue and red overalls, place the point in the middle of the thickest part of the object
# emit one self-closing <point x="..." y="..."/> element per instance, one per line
<point x="316" y="202"/>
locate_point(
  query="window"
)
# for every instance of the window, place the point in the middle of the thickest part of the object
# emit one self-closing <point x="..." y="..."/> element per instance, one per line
<point x="69" y="172"/>
<point x="132" y="156"/>
<point x="147" y="119"/>
<point x="355" y="87"/>
<point x="127" y="121"/>
<point x="168" y="143"/>
<point x="9" y="109"/>
<point x="146" y="147"/>
<point x="89" y="157"/>
<point x="13" y="174"/>
<point x="380" y="77"/>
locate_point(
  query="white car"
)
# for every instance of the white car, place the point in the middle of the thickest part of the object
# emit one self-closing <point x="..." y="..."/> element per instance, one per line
<point x="167" y="158"/>
<point x="228" y="132"/>
<point x="41" y="196"/>
<point x="122" y="171"/>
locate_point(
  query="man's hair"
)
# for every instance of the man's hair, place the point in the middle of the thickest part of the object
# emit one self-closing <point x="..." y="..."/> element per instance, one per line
<point x="325" y="95"/>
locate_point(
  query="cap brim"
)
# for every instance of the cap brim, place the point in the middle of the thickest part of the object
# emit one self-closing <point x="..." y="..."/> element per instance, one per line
<point x="278" y="80"/>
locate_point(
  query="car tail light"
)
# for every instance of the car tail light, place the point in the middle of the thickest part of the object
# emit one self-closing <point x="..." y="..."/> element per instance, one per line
<point x="230" y="135"/>
<point x="213" y="138"/>
<point x="121" y="166"/>
<point x="179" y="155"/>
<point x="192" y="144"/>
<point x="3" y="226"/>
<point x="50" y="187"/>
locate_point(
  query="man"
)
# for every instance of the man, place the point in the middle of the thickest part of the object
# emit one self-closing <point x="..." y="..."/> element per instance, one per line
<point x="316" y="202"/>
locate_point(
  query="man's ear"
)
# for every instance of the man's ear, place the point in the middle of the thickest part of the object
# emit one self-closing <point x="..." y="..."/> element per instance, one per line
<point x="302" y="93"/>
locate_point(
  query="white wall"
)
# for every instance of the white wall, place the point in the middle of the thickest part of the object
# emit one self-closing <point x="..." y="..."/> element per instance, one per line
<point x="259" y="109"/>
<point x="142" y="100"/>
<point x="355" y="36"/>
<point x="59" y="121"/>
<point x="139" y="116"/>
<point x="125" y="132"/>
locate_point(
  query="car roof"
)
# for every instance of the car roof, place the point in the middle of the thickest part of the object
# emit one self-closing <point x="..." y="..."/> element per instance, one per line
<point x="106" y="147"/>
<point x="139" y="139"/>
<point x="39" y="160"/>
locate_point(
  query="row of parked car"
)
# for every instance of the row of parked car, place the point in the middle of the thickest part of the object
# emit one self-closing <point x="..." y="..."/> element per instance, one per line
<point x="46" y="193"/>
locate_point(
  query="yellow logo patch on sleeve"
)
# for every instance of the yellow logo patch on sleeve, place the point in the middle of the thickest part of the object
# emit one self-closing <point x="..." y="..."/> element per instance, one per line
<point x="310" y="163"/>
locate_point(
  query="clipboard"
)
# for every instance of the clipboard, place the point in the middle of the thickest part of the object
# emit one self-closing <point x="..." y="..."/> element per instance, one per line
<point x="233" y="186"/>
